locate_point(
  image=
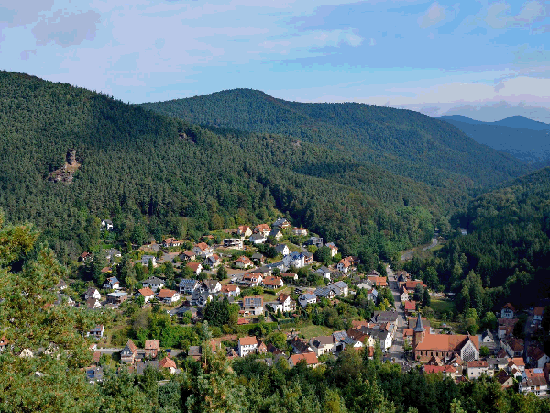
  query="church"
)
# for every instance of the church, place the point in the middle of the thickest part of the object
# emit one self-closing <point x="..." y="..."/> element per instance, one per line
<point x="443" y="346"/>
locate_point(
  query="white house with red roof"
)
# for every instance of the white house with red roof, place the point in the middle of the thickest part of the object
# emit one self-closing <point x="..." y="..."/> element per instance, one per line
<point x="247" y="345"/>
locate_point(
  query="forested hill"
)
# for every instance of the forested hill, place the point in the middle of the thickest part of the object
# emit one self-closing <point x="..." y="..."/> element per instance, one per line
<point x="526" y="139"/>
<point x="506" y="254"/>
<point x="162" y="176"/>
<point x="405" y="142"/>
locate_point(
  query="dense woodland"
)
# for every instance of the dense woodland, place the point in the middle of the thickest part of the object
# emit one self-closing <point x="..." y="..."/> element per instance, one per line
<point x="506" y="251"/>
<point x="402" y="141"/>
<point x="160" y="176"/>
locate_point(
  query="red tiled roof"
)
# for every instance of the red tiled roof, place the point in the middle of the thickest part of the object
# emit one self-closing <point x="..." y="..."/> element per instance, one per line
<point x="229" y="288"/>
<point x="248" y="341"/>
<point x="429" y="369"/>
<point x="444" y="342"/>
<point x="167" y="362"/>
<point x="310" y="358"/>
<point x="166" y="293"/>
<point x="477" y="363"/>
<point x="202" y="246"/>
<point x="146" y="292"/>
<point x="193" y="265"/>
<point x="152" y="344"/>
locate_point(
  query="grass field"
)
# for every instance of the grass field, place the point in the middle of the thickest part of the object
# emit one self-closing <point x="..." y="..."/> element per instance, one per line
<point x="314" y="331"/>
<point x="442" y="306"/>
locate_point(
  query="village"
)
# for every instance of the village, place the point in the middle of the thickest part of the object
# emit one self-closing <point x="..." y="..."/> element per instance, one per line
<point x="294" y="297"/>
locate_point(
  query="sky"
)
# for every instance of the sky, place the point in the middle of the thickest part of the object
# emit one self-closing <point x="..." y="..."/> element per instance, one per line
<point x="483" y="59"/>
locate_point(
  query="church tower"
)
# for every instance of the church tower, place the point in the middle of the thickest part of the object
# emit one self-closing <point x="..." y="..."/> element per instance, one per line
<point x="418" y="332"/>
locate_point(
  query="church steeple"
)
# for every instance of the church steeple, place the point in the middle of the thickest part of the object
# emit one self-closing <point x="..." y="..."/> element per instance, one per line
<point x="418" y="332"/>
<point x="419" y="327"/>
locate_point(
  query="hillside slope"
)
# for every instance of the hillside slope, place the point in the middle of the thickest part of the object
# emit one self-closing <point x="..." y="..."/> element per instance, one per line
<point x="402" y="141"/>
<point x="506" y="254"/>
<point x="523" y="138"/>
<point x="156" y="175"/>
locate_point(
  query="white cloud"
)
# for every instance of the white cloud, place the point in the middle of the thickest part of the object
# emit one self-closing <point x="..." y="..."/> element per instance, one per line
<point x="435" y="14"/>
<point x="498" y="15"/>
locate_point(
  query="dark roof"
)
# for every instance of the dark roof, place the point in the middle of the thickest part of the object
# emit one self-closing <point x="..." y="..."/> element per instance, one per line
<point x="419" y="327"/>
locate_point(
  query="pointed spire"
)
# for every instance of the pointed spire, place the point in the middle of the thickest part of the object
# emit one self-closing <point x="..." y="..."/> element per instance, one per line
<point x="419" y="327"/>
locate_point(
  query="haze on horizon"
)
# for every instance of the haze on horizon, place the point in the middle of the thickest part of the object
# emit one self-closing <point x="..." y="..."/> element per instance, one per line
<point x="485" y="60"/>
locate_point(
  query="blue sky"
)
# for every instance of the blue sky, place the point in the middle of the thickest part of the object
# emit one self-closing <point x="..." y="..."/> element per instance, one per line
<point x="484" y="59"/>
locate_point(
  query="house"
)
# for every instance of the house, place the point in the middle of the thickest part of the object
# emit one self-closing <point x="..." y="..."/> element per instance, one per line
<point x="257" y="239"/>
<point x="309" y="358"/>
<point x="333" y="248"/>
<point x="506" y="326"/>
<point x="152" y="348"/>
<point x="340" y="288"/>
<point x="201" y="296"/>
<point x="513" y="346"/>
<point x="516" y="366"/>
<point x="325" y="292"/>
<point x="195" y="353"/>
<point x="213" y="261"/>
<point x="505" y="380"/>
<point x="112" y="254"/>
<point x="171" y="243"/>
<point x="497" y="364"/>
<point x="378" y="281"/>
<point x="322" y="344"/>
<point x="533" y="381"/>
<point x="244" y="231"/>
<point x="196" y="267"/>
<point x="141" y="366"/>
<point x="308" y="257"/>
<point x="92" y="292"/>
<point x="187" y="286"/>
<point x="254" y="304"/>
<point x="300" y="346"/>
<point x="537" y="357"/>
<point x="168" y="363"/>
<point x="409" y="307"/>
<point x="86" y="256"/>
<point x="147" y="293"/>
<point x="212" y="286"/>
<point x="262" y="229"/>
<point x="243" y="262"/>
<point x="149" y="258"/>
<point x="446" y="347"/>
<point x="92" y="303"/>
<point x="299" y="232"/>
<point x="288" y="304"/>
<point x="324" y="272"/>
<point x="202" y="249"/>
<point x="405" y="294"/>
<point x="107" y="224"/>
<point x="272" y="282"/>
<point x="508" y="311"/>
<point x="282" y="223"/>
<point x="294" y="260"/>
<point x="154" y="283"/>
<point x="116" y="298"/>
<point x="306" y="299"/>
<point x="168" y="296"/>
<point x="188" y="256"/>
<point x="233" y="243"/>
<point x="289" y="275"/>
<point x="476" y="368"/>
<point x="129" y="352"/>
<point x="111" y="283"/>
<point x="247" y="345"/>
<point x="538" y="313"/>
<point x="380" y="334"/>
<point x="276" y="233"/>
<point x="315" y="241"/>
<point x="230" y="290"/>
<point x="447" y="370"/>
<point x="94" y="374"/>
<point x="258" y="258"/>
<point x="343" y="265"/>
<point x="252" y="279"/>
<point x="282" y="249"/>
<point x="96" y="332"/>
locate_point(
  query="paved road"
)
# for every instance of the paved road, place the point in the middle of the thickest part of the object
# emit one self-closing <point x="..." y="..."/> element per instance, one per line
<point x="396" y="350"/>
<point x="407" y="255"/>
<point x="432" y="245"/>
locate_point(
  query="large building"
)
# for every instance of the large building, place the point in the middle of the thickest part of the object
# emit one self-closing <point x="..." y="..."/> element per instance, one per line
<point x="446" y="347"/>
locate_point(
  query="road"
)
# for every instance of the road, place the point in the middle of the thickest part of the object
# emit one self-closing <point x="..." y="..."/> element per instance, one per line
<point x="407" y="255"/>
<point x="396" y="350"/>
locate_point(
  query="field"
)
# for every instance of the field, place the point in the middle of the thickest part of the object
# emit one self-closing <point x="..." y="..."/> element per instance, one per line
<point x="314" y="331"/>
<point x="442" y="306"/>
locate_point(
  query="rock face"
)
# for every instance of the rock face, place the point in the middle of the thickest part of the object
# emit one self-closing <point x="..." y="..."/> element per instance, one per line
<point x="65" y="173"/>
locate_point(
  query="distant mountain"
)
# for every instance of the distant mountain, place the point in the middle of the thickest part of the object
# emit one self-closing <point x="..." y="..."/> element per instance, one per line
<point x="402" y="141"/>
<point x="524" y="138"/>
<point x="157" y="176"/>
<point x="523" y="123"/>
